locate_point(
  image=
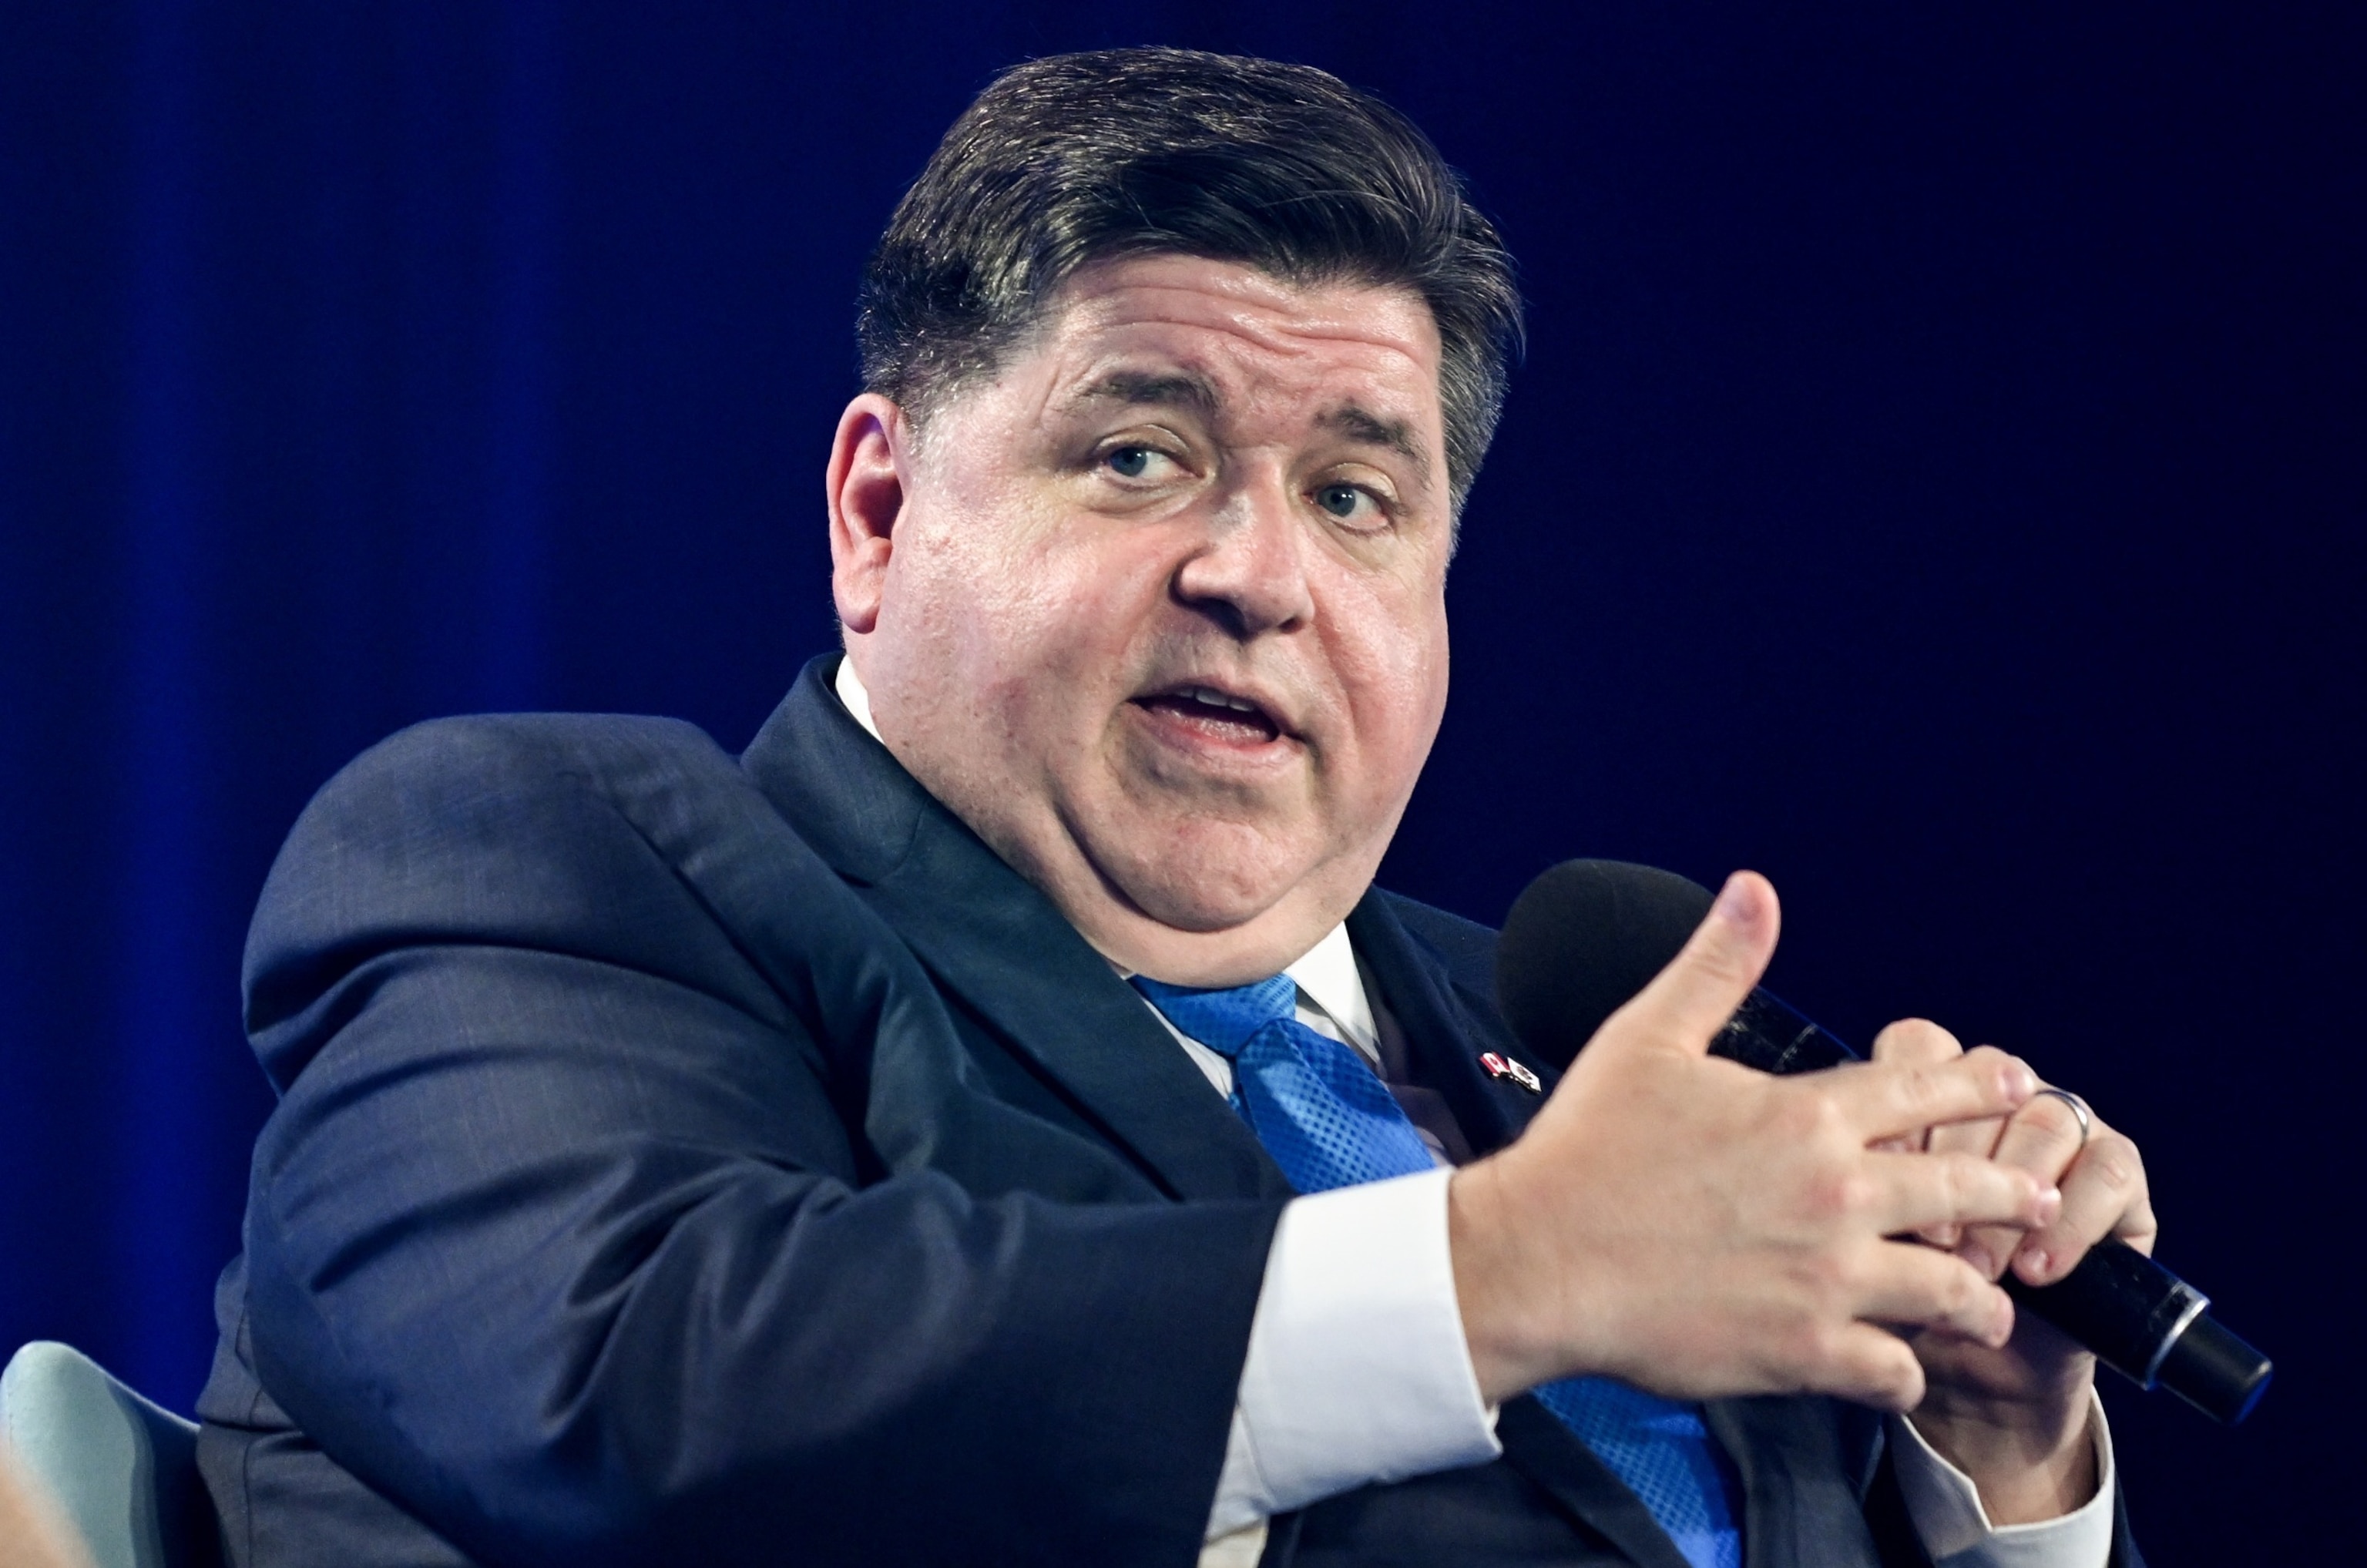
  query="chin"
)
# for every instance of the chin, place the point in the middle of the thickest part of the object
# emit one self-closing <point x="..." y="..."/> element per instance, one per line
<point x="1190" y="910"/>
<point x="1203" y="893"/>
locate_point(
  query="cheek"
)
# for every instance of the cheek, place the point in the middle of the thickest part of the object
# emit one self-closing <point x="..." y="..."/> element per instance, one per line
<point x="1395" y="676"/>
<point x="1038" y="611"/>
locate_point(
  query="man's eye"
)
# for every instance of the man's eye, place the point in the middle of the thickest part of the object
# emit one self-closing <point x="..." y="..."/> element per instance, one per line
<point x="1129" y="462"/>
<point x="1347" y="502"/>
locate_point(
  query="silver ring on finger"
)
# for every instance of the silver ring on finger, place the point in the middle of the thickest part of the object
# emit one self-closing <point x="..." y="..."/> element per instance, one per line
<point x="2078" y="1109"/>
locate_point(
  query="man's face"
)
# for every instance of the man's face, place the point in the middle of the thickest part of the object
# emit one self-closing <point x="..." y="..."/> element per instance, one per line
<point x="1160" y="610"/>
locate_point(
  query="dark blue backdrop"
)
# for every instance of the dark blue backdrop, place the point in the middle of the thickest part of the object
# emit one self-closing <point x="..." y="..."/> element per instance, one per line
<point x="1933" y="482"/>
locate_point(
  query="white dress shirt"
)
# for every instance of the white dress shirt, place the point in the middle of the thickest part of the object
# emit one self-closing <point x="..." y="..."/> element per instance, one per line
<point x="1357" y="1370"/>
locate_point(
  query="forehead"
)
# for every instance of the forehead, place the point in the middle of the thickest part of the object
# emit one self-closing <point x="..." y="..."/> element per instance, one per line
<point x="1231" y="332"/>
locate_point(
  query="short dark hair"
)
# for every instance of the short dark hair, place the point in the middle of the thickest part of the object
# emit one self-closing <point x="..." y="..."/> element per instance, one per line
<point x="1080" y="158"/>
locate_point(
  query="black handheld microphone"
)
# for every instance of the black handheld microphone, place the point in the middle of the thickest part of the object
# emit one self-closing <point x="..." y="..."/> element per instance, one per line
<point x="1588" y="934"/>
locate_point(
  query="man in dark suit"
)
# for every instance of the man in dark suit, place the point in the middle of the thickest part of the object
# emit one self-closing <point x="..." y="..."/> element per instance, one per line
<point x="995" y="1119"/>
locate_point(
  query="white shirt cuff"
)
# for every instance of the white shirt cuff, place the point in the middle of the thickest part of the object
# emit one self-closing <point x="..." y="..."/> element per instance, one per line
<point x="1357" y="1370"/>
<point x="1945" y="1507"/>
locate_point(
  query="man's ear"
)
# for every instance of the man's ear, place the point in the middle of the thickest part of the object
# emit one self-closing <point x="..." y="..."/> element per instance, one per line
<point x="866" y="494"/>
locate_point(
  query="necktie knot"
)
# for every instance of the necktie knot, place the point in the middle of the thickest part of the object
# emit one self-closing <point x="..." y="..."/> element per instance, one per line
<point x="1320" y="1109"/>
<point x="1224" y="1018"/>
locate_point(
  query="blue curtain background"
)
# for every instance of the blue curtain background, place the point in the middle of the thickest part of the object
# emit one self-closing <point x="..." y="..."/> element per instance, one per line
<point x="1935" y="481"/>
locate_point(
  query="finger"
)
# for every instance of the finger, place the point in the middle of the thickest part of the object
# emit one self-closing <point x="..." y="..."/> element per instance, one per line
<point x="1921" y="1041"/>
<point x="1872" y="1366"/>
<point x="1977" y="1138"/>
<point x="1913" y="1192"/>
<point x="1890" y="1099"/>
<point x="1913" y="1040"/>
<point x="1690" y="1001"/>
<point x="2105" y="1193"/>
<point x="1918" y="1040"/>
<point x="2043" y="1137"/>
<point x="1919" y="1287"/>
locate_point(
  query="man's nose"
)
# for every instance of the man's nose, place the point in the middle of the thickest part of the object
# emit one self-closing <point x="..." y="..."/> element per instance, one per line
<point x="1251" y="572"/>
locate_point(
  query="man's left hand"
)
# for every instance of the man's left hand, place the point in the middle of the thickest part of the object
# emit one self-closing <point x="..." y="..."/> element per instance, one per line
<point x="2016" y="1418"/>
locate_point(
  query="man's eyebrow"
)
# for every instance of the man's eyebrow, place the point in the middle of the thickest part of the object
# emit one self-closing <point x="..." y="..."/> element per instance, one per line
<point x="1171" y="388"/>
<point x="1153" y="389"/>
<point x="1379" y="430"/>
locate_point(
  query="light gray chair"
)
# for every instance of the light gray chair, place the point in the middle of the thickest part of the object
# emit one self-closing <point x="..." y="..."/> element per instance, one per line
<point x="121" y="1469"/>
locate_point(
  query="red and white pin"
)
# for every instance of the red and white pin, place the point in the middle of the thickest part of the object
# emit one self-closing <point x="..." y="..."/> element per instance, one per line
<point x="1505" y="1067"/>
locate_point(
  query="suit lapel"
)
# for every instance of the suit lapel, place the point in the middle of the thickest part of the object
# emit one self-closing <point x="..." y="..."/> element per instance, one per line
<point x="999" y="947"/>
<point x="1806" y="1466"/>
<point x="1543" y="1450"/>
<point x="1445" y="1030"/>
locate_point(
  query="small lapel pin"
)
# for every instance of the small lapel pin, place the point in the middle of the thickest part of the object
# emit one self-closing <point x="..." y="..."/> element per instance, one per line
<point x="1505" y="1067"/>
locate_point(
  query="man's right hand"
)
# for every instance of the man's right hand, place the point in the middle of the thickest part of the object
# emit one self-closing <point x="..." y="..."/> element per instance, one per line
<point x="1701" y="1230"/>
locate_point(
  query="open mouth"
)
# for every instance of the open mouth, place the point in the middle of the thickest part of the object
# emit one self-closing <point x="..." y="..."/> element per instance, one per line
<point x="1220" y="715"/>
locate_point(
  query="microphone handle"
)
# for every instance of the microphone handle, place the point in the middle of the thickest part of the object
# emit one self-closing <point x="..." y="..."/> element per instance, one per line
<point x="2140" y="1319"/>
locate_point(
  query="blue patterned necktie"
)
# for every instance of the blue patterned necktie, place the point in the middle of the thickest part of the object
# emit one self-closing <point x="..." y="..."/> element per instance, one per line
<point x="1325" y="1117"/>
<point x="1329" y="1120"/>
<point x="1664" y="1454"/>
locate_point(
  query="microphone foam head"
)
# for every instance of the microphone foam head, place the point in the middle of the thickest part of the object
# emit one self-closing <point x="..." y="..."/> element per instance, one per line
<point x="1584" y="938"/>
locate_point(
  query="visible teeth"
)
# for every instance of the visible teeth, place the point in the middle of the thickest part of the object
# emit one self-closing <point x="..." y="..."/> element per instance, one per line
<point x="1209" y="694"/>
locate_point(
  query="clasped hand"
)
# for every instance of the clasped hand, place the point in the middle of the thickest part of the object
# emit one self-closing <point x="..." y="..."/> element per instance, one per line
<point x="1702" y="1230"/>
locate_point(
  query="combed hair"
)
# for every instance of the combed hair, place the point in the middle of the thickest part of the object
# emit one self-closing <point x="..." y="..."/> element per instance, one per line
<point x="1082" y="158"/>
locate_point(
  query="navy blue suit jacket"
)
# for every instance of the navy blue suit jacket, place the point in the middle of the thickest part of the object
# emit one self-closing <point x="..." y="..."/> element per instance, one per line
<point x="689" y="1160"/>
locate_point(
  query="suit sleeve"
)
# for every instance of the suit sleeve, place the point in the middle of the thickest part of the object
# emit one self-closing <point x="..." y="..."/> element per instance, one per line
<point x="569" y="1236"/>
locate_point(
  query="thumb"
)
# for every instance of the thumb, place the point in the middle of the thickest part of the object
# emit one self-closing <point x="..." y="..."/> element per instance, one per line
<point x="1690" y="1001"/>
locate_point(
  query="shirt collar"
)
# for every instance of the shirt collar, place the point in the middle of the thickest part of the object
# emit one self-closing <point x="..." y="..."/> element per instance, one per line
<point x="849" y="687"/>
<point x="1327" y="976"/>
